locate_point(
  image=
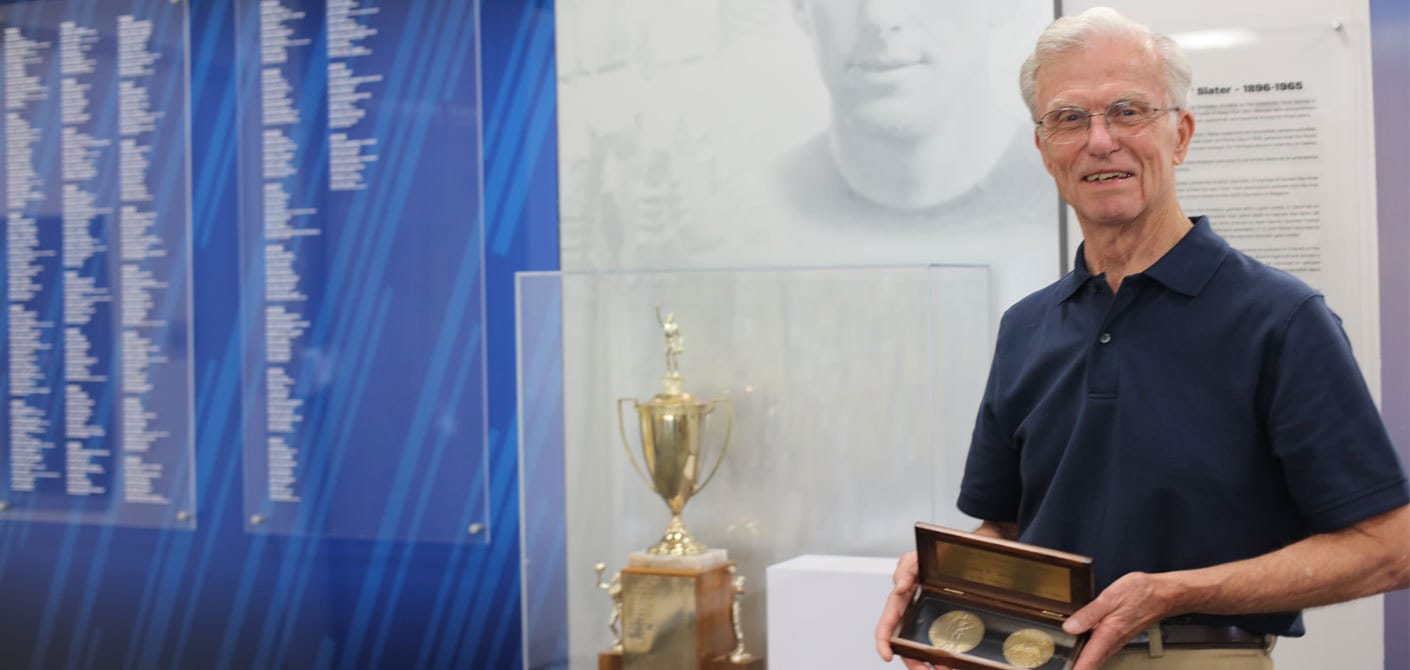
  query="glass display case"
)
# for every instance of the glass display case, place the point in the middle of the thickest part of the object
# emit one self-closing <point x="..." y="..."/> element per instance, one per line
<point x="842" y="401"/>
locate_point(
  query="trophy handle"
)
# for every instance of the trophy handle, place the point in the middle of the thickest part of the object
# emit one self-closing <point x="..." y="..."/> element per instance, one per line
<point x="622" y="431"/>
<point x="729" y="429"/>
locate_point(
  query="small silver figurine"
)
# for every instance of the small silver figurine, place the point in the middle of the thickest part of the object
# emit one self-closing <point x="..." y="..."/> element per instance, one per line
<point x="739" y="655"/>
<point x="614" y="590"/>
<point x="675" y="342"/>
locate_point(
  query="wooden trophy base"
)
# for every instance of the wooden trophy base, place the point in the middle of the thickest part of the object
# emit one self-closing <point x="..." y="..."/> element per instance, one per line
<point x="676" y="618"/>
<point x="612" y="660"/>
<point x="676" y="612"/>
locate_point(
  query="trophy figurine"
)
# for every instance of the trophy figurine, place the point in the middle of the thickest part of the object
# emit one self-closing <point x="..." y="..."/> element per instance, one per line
<point x="670" y="443"/>
<point x="738" y="656"/>
<point x="613" y="589"/>
<point x="677" y="601"/>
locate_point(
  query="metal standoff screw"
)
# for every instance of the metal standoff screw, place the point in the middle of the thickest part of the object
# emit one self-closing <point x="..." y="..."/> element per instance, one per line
<point x="4" y="506"/>
<point x="475" y="528"/>
<point x="1337" y="25"/>
<point x="183" y="515"/>
<point x="256" y="519"/>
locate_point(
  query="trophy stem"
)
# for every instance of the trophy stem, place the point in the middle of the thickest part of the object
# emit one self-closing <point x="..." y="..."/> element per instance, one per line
<point x="677" y="541"/>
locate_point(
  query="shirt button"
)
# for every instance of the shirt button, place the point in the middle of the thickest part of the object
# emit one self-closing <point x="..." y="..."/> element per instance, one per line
<point x="1106" y="337"/>
<point x="1093" y="288"/>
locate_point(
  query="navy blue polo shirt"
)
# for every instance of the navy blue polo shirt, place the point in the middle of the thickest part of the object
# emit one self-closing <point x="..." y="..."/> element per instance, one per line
<point x="1209" y="411"/>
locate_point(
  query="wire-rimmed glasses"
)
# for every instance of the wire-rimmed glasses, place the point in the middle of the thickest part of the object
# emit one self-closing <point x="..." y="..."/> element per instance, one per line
<point x="1128" y="118"/>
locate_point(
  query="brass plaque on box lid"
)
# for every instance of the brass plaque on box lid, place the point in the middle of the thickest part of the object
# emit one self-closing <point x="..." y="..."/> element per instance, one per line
<point x="1003" y="571"/>
<point x="1012" y="572"/>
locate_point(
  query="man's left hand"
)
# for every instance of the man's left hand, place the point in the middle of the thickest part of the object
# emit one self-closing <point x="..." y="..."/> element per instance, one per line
<point x="1127" y="607"/>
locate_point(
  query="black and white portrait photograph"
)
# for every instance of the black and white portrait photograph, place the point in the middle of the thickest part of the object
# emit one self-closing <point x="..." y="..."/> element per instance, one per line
<point x="795" y="133"/>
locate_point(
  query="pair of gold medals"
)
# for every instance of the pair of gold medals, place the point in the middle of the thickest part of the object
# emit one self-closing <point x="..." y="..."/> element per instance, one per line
<point x="960" y="631"/>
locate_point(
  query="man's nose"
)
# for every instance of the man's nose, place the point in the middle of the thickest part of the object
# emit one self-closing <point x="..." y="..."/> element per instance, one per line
<point x="1099" y="138"/>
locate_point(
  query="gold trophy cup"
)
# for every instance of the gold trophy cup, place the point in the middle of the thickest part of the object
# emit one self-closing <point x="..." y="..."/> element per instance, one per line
<point x="676" y="605"/>
<point x="670" y="444"/>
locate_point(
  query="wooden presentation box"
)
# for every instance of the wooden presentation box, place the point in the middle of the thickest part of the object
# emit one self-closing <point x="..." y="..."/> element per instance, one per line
<point x="990" y="604"/>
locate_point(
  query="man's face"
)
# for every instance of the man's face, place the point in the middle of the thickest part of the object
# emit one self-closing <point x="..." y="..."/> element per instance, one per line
<point x="1144" y="166"/>
<point x="894" y="67"/>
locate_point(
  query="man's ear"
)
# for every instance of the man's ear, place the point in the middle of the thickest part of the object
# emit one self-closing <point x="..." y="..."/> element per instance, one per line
<point x="1184" y="131"/>
<point x="801" y="15"/>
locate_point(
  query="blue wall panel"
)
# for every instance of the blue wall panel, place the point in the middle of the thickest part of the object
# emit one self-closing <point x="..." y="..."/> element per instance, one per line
<point x="88" y="596"/>
<point x="1390" y="65"/>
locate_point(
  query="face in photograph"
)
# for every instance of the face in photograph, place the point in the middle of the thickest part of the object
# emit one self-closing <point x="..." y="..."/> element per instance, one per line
<point x="898" y="68"/>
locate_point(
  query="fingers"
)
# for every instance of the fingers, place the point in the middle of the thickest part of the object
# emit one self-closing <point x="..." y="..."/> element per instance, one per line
<point x="883" y="646"/>
<point x="890" y="616"/>
<point x="907" y="569"/>
<point x="905" y="581"/>
<point x="1084" y="619"/>
<point x="1130" y="605"/>
<point x="1103" y="644"/>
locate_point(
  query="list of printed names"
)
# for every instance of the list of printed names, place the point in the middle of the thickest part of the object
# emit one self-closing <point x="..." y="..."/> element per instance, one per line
<point x="285" y="40"/>
<point x="88" y="314"/>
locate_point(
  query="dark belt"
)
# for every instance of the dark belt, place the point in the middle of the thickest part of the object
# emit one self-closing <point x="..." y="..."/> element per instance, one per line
<point x="1208" y="637"/>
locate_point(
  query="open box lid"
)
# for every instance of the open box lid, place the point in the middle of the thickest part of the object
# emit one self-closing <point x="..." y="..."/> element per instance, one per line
<point x="1021" y="575"/>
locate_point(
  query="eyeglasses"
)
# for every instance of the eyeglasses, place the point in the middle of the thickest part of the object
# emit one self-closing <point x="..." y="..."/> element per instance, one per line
<point x="1123" y="119"/>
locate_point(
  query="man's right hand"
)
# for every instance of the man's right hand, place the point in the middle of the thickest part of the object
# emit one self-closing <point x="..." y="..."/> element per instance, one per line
<point x="907" y="572"/>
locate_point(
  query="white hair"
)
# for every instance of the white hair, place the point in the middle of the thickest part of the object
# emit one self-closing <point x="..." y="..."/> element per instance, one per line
<point x="1070" y="34"/>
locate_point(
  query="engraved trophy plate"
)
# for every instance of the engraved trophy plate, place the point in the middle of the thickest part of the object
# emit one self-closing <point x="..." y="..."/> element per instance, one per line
<point x="660" y="622"/>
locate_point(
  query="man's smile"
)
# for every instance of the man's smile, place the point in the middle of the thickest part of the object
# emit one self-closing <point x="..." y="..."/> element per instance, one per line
<point x="1107" y="176"/>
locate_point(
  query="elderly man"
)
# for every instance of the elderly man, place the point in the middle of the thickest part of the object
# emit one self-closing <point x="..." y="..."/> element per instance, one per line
<point x="1190" y="418"/>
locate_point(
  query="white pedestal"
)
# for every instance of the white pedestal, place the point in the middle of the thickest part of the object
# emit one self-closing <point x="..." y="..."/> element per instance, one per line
<point x="822" y="611"/>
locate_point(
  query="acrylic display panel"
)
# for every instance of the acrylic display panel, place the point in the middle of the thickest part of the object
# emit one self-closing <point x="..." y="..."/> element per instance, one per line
<point x="854" y="394"/>
<point x="97" y="242"/>
<point x="361" y="246"/>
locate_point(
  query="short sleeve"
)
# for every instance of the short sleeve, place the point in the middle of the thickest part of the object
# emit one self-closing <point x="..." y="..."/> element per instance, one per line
<point x="1324" y="427"/>
<point x="992" y="485"/>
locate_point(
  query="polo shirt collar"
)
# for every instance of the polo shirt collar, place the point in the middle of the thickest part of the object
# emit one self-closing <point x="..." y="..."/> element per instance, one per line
<point x="1076" y="279"/>
<point x="1189" y="265"/>
<point x="1185" y="269"/>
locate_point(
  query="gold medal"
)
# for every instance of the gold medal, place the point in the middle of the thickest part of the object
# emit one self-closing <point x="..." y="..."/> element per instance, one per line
<point x="957" y="631"/>
<point x="1028" y="648"/>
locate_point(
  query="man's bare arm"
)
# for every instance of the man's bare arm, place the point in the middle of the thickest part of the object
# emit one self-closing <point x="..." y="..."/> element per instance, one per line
<point x="1370" y="557"/>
